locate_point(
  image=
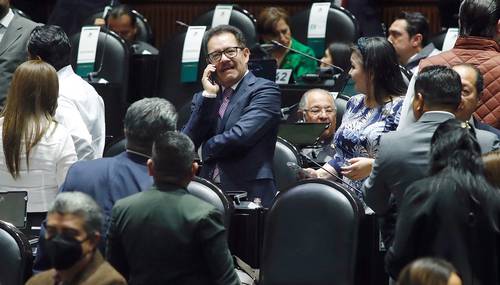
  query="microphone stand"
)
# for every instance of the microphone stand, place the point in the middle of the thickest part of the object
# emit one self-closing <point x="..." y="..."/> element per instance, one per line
<point x="308" y="56"/>
<point x="93" y="74"/>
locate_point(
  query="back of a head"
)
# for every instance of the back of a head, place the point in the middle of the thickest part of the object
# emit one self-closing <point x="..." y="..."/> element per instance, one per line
<point x="426" y="271"/>
<point x="479" y="18"/>
<point x="31" y="101"/>
<point x="454" y="146"/>
<point x="51" y="44"/>
<point x="416" y="24"/>
<point x="341" y="55"/>
<point x="440" y="87"/>
<point x="491" y="162"/>
<point x="147" y="119"/>
<point x="380" y="62"/>
<point x="173" y="154"/>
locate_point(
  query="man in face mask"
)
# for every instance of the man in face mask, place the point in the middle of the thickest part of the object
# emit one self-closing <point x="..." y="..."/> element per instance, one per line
<point x="73" y="230"/>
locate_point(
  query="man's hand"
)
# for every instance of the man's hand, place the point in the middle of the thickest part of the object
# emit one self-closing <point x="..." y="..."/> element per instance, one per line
<point x="359" y="169"/>
<point x="208" y="86"/>
<point x="307" y="173"/>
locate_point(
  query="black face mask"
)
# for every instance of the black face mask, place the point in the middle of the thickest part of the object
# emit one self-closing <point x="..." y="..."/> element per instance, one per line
<point x="63" y="252"/>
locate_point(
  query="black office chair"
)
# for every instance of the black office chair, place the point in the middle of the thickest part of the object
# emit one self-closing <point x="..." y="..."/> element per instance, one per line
<point x="16" y="258"/>
<point x="342" y="26"/>
<point x="115" y="148"/>
<point x="144" y="31"/>
<point x="170" y="86"/>
<point x="341" y="104"/>
<point x="438" y="39"/>
<point x="283" y="153"/>
<point x="208" y="192"/>
<point x="311" y="235"/>
<point x="20" y="13"/>
<point x="240" y="18"/>
<point x="112" y="64"/>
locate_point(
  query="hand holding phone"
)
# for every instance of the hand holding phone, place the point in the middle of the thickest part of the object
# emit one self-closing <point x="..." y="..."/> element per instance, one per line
<point x="208" y="80"/>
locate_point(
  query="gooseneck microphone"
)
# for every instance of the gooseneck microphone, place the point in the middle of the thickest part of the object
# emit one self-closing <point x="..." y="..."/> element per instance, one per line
<point x="331" y="173"/>
<point x="308" y="56"/>
<point x="93" y="74"/>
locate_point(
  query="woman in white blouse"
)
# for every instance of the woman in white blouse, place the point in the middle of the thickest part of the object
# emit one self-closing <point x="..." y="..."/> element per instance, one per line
<point x="37" y="151"/>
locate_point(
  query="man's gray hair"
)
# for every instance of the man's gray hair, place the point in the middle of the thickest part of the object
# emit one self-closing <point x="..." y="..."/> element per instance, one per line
<point x="149" y="118"/>
<point x="303" y="101"/>
<point x="81" y="205"/>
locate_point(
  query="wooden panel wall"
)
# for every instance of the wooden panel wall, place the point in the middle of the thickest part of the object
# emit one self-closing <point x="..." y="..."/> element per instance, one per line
<point x="163" y="14"/>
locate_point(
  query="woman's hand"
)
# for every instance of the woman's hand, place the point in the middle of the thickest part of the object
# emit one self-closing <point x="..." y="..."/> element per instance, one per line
<point x="359" y="169"/>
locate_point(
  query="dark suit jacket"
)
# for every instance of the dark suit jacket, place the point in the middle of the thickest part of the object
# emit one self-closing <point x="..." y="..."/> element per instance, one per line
<point x="438" y="218"/>
<point x="403" y="158"/>
<point x="97" y="272"/>
<point x="13" y="51"/>
<point x="168" y="236"/>
<point x="482" y="126"/>
<point x="106" y="180"/>
<point x="242" y="143"/>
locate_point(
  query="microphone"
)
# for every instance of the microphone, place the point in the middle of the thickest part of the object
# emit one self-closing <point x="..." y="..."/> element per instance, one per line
<point x="352" y="188"/>
<point x="91" y="75"/>
<point x="308" y="56"/>
<point x="319" y="137"/>
<point x="182" y="24"/>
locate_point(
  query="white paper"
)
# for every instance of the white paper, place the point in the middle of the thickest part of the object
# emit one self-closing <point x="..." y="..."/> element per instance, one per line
<point x="222" y="14"/>
<point x="450" y="39"/>
<point x="192" y="43"/>
<point x="318" y="17"/>
<point x="88" y="44"/>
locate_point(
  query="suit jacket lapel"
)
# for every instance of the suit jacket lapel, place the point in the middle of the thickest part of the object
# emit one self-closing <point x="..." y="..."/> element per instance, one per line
<point x="12" y="34"/>
<point x="239" y="94"/>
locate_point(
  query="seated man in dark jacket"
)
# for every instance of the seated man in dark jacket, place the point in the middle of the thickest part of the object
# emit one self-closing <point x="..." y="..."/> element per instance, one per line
<point x="166" y="235"/>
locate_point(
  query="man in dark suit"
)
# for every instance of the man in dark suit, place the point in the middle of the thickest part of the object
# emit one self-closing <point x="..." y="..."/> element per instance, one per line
<point x="472" y="89"/>
<point x="235" y="118"/>
<point x="403" y="154"/>
<point x="14" y="34"/>
<point x="166" y="235"/>
<point x="110" y="179"/>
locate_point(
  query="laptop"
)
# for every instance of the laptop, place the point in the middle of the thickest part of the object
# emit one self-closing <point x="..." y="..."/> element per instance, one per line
<point x="13" y="208"/>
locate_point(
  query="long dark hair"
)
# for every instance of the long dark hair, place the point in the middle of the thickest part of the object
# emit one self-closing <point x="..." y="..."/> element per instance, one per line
<point x="455" y="153"/>
<point x="381" y="65"/>
<point x="341" y="55"/>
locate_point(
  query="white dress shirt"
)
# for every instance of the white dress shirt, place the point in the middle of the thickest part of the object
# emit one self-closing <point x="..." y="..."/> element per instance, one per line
<point x="5" y="22"/>
<point x="81" y="110"/>
<point x="49" y="161"/>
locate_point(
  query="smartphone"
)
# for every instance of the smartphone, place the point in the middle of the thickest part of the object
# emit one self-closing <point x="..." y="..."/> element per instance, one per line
<point x="212" y="78"/>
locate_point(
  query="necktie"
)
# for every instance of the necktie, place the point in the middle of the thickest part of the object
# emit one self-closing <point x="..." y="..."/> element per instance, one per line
<point x="226" y="96"/>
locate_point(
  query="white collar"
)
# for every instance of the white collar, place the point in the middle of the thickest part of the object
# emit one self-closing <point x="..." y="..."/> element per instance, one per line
<point x="5" y="21"/>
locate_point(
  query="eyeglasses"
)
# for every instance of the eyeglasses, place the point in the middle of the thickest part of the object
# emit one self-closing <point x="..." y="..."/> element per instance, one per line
<point x="316" y="111"/>
<point x="230" y="52"/>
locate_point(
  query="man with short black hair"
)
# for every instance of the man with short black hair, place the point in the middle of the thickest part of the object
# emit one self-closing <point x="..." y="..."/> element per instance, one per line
<point x="409" y="34"/>
<point x="235" y="118"/>
<point x="477" y="44"/>
<point x="73" y="231"/>
<point x="403" y="155"/>
<point x="79" y="108"/>
<point x="166" y="235"/>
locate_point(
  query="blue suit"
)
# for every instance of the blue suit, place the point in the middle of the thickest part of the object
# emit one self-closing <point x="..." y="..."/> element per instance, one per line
<point x="107" y="180"/>
<point x="242" y="143"/>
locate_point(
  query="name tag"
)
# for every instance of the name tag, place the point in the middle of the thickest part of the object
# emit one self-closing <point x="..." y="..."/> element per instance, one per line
<point x="283" y="76"/>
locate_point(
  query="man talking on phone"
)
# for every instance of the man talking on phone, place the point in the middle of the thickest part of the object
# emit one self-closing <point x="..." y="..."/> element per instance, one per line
<point x="235" y="118"/>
